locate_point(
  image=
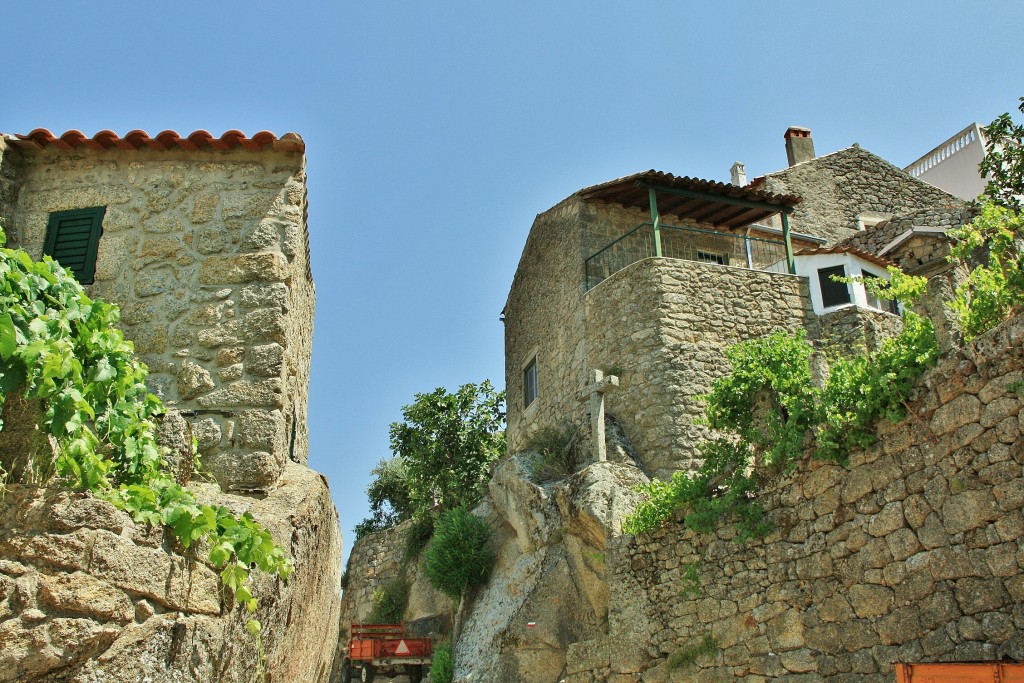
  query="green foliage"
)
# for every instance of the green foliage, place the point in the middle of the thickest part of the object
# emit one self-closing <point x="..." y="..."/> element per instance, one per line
<point x="459" y="556"/>
<point x="768" y="406"/>
<point x="768" y="399"/>
<point x="418" y="536"/>
<point x="862" y="389"/>
<point x="62" y="349"/>
<point x="995" y="290"/>
<point x="557" y="454"/>
<point x="442" y="664"/>
<point x="448" y="442"/>
<point x="687" y="656"/>
<point x="389" y="496"/>
<point x="691" y="580"/>
<point x="389" y="602"/>
<point x="1004" y="161"/>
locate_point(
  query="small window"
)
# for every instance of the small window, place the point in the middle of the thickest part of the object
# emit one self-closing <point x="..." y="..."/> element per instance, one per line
<point x="530" y="383"/>
<point x="874" y="301"/>
<point x="833" y="293"/>
<point x="712" y="257"/>
<point x="72" y="239"/>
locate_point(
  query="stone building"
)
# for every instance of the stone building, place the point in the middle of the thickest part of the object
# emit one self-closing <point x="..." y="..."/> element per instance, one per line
<point x="202" y="242"/>
<point x="648" y="278"/>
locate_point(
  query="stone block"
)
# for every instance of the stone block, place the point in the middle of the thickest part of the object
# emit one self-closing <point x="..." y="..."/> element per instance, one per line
<point x="193" y="380"/>
<point x="962" y="410"/>
<point x="870" y="601"/>
<point x="262" y="430"/>
<point x="266" y="360"/>
<point x="263" y="296"/>
<point x="244" y="268"/>
<point x="968" y="510"/>
<point x="244" y="393"/>
<point x="171" y="581"/>
<point x="83" y="594"/>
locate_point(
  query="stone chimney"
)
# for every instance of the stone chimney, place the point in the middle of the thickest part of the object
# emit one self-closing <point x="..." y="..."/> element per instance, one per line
<point x="799" y="146"/>
<point x="738" y="174"/>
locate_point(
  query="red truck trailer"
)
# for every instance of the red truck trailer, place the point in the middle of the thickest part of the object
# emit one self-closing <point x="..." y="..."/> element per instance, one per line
<point x="384" y="648"/>
<point x="960" y="672"/>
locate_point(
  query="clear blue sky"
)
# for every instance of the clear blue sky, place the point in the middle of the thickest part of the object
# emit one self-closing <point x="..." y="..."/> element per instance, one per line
<point x="436" y="131"/>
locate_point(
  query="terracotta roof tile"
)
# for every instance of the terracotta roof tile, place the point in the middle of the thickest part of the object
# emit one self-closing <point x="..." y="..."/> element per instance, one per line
<point x="168" y="139"/>
<point x="867" y="256"/>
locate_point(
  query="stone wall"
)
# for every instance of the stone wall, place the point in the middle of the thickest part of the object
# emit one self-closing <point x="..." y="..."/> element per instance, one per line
<point x="206" y="253"/>
<point x="854" y="330"/>
<point x="662" y="326"/>
<point x="374" y="561"/>
<point x="86" y="595"/>
<point x="8" y="184"/>
<point x="912" y="553"/>
<point x="836" y="188"/>
<point x="921" y="252"/>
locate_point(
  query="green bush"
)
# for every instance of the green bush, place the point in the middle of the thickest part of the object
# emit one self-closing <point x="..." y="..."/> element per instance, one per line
<point x="417" y="537"/>
<point x="459" y="556"/>
<point x="389" y="602"/>
<point x="442" y="666"/>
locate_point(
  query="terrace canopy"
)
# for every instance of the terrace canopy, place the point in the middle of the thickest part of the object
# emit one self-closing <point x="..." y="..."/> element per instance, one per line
<point x="706" y="201"/>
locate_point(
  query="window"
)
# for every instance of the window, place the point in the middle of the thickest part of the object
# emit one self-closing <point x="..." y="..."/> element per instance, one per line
<point x="530" y="383"/>
<point x="712" y="257"/>
<point x="72" y="239"/>
<point x="874" y="301"/>
<point x="833" y="293"/>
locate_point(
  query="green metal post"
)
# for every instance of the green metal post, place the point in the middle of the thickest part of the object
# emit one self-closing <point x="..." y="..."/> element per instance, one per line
<point x="655" y="218"/>
<point x="790" y="262"/>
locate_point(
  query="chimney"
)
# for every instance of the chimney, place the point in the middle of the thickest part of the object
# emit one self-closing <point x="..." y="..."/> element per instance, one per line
<point x="738" y="174"/>
<point x="799" y="146"/>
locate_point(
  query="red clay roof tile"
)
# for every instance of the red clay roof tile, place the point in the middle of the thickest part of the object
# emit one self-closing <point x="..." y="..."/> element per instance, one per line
<point x="168" y="139"/>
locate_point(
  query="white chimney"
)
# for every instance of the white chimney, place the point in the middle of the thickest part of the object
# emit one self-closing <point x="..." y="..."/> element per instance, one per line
<point x="738" y="174"/>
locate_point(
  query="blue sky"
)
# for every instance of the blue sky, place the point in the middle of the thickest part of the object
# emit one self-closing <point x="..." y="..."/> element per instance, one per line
<point x="435" y="132"/>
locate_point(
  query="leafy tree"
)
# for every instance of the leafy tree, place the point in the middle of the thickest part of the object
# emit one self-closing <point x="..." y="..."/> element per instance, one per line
<point x="1004" y="161"/>
<point x="448" y="442"/>
<point x="389" y="496"/>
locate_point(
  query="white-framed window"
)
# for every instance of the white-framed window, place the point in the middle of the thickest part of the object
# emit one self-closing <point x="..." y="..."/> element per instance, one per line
<point x="530" y="382"/>
<point x="833" y="293"/>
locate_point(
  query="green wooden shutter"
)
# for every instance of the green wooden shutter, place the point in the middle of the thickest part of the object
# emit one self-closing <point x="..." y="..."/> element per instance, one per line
<point x="72" y="239"/>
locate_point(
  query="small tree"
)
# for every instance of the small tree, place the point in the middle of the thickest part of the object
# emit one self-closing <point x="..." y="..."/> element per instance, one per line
<point x="459" y="557"/>
<point x="389" y="496"/>
<point x="1004" y="161"/>
<point x="448" y="442"/>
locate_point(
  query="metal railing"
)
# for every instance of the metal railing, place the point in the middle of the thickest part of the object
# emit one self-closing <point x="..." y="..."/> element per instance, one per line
<point x="688" y="244"/>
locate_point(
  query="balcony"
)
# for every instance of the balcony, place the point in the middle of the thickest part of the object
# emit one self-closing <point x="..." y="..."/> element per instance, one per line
<point x="689" y="244"/>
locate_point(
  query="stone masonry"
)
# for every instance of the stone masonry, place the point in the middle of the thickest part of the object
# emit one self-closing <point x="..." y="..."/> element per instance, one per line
<point x="912" y="553"/>
<point x="662" y="326"/>
<point x="87" y="595"/>
<point x="206" y="253"/>
<point x="840" y="187"/>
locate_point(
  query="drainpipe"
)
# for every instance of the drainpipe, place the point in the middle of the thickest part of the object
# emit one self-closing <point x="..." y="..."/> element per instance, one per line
<point x="746" y="244"/>
<point x="790" y="262"/>
<point x="655" y="218"/>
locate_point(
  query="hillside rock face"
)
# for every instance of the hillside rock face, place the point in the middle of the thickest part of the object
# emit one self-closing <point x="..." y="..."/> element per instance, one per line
<point x="89" y="596"/>
<point x="548" y="588"/>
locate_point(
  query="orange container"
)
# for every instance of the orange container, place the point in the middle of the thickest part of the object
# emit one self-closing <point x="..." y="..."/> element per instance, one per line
<point x="975" y="672"/>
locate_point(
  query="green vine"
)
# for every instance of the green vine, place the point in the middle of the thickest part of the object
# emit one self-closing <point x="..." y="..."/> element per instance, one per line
<point x="62" y="350"/>
<point x="770" y="414"/>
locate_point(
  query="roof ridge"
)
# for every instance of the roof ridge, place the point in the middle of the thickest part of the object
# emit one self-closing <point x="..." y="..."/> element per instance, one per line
<point x="164" y="140"/>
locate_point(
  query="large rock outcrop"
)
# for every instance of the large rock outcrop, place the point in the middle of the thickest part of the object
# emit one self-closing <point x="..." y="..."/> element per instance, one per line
<point x="89" y="596"/>
<point x="548" y="588"/>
